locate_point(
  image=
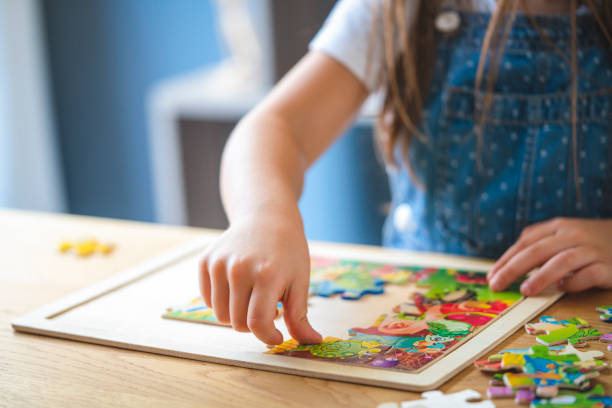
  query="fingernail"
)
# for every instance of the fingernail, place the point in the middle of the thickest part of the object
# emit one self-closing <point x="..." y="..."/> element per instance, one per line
<point x="493" y="283"/>
<point x="525" y="289"/>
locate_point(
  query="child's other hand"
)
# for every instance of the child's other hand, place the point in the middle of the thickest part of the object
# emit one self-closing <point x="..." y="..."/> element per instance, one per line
<point x="253" y="265"/>
<point x="575" y="253"/>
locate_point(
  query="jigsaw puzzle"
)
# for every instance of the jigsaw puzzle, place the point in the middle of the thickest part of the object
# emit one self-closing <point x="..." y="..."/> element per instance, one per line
<point x="444" y="308"/>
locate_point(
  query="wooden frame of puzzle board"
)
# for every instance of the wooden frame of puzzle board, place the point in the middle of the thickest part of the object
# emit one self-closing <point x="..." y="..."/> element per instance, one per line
<point x="125" y="311"/>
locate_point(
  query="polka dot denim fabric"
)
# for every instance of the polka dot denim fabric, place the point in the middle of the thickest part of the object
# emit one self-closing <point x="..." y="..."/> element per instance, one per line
<point x="526" y="173"/>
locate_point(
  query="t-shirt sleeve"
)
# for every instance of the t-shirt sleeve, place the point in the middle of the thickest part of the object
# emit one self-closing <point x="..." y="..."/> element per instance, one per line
<point x="353" y="35"/>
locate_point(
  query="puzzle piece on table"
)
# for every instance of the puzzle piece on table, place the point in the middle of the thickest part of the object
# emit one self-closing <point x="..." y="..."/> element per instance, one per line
<point x="606" y="312"/>
<point x="437" y="399"/>
<point x="85" y="247"/>
<point x="549" y="324"/>
<point x="521" y="396"/>
<point x="570" y="334"/>
<point x="524" y="396"/>
<point x="196" y="311"/>
<point x="582" y="355"/>
<point x="607" y="338"/>
<point x="593" y="398"/>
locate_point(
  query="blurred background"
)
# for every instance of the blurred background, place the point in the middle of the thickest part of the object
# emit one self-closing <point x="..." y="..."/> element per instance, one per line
<point x="121" y="108"/>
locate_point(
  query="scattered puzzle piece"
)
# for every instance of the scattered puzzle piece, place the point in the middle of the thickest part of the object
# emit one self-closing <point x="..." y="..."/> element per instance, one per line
<point x="524" y="396"/>
<point x="436" y="399"/>
<point x="196" y="311"/>
<point x="582" y="355"/>
<point x="594" y="398"/>
<point x="606" y="312"/>
<point x="607" y="338"/>
<point x="569" y="334"/>
<point x="548" y="324"/>
<point x="86" y="247"/>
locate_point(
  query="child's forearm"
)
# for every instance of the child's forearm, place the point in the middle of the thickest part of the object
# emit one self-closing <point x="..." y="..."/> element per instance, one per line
<point x="262" y="169"/>
<point x="263" y="165"/>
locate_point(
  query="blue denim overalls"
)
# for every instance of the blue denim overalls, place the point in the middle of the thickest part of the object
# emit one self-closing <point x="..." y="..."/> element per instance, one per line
<point x="527" y="174"/>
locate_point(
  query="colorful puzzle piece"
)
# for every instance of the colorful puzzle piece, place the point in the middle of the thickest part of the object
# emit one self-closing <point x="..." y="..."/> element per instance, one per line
<point x="607" y="338"/>
<point x="548" y="324"/>
<point x="521" y="396"/>
<point x="437" y="399"/>
<point x="574" y="331"/>
<point x="582" y="355"/>
<point x="196" y="311"/>
<point x="594" y="398"/>
<point x="569" y="334"/>
<point x="606" y="312"/>
<point x="352" y="279"/>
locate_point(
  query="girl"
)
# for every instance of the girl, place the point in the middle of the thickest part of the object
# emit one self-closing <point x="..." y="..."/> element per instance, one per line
<point x="496" y="122"/>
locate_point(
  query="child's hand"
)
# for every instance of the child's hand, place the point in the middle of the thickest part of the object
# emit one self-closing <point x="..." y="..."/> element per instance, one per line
<point x="575" y="253"/>
<point x="252" y="266"/>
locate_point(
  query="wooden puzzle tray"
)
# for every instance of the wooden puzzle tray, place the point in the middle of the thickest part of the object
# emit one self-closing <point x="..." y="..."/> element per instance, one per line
<point x="125" y="311"/>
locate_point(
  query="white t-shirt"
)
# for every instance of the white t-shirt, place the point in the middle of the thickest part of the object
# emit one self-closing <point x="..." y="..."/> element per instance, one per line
<point x="353" y="34"/>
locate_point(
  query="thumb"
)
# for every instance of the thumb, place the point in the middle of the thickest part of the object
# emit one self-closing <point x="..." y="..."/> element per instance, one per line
<point x="296" y="304"/>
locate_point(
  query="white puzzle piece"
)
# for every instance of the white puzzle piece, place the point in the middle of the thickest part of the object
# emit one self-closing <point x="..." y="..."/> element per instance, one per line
<point x="437" y="399"/>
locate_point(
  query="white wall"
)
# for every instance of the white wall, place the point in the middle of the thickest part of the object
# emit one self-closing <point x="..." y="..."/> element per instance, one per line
<point x="29" y="160"/>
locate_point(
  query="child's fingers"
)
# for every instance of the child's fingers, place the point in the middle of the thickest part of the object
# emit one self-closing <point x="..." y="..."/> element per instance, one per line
<point x="220" y="291"/>
<point x="295" y="314"/>
<point x="527" y="259"/>
<point x="531" y="234"/>
<point x="565" y="262"/>
<point x="240" y="293"/>
<point x="588" y="277"/>
<point x="205" y="282"/>
<point x="261" y="314"/>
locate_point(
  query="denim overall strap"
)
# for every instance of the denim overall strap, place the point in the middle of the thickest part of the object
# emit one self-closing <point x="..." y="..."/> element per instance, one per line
<point x="477" y="204"/>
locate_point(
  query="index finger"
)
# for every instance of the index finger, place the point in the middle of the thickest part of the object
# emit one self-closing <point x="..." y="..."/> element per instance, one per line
<point x="529" y="235"/>
<point x="261" y="314"/>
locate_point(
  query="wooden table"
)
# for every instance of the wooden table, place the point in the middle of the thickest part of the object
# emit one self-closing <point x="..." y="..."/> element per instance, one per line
<point x="42" y="371"/>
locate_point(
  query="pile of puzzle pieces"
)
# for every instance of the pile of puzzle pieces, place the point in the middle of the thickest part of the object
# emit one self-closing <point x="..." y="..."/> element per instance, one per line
<point x="553" y="373"/>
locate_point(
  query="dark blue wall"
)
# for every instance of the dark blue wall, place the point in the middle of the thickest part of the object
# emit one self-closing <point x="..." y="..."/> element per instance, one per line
<point x="104" y="56"/>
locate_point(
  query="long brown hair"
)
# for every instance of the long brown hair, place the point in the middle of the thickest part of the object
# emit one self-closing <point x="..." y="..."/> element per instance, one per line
<point x="409" y="59"/>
